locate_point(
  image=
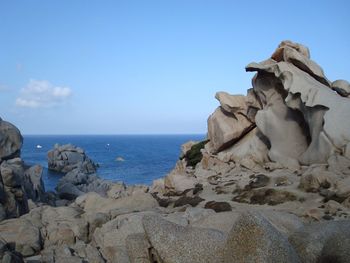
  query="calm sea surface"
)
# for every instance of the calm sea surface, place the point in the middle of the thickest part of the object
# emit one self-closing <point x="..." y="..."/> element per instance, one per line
<point x="147" y="157"/>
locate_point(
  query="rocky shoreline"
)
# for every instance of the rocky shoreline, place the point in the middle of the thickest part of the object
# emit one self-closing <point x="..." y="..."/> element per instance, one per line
<point x="270" y="184"/>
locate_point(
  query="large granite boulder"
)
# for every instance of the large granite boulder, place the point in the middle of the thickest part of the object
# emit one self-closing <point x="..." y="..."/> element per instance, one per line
<point x="66" y="158"/>
<point x="174" y="243"/>
<point x="22" y="234"/>
<point x="254" y="239"/>
<point x="13" y="197"/>
<point x="10" y="141"/>
<point x="319" y="242"/>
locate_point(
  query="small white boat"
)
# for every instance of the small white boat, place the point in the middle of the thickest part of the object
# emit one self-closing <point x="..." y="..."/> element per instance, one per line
<point x="39" y="146"/>
<point x="120" y="159"/>
<point x="107" y="144"/>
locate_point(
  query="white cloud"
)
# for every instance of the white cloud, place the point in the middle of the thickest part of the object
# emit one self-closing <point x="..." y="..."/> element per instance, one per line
<point x="42" y="94"/>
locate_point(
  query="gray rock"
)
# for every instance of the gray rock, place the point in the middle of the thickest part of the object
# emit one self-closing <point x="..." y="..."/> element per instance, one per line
<point x="138" y="248"/>
<point x="342" y="87"/>
<point x="336" y="249"/>
<point x="33" y="183"/>
<point x="23" y="235"/>
<point x="68" y="157"/>
<point x="76" y="183"/>
<point x="254" y="239"/>
<point x="10" y="141"/>
<point x="218" y="206"/>
<point x="12" y="195"/>
<point x="310" y="241"/>
<point x="175" y="243"/>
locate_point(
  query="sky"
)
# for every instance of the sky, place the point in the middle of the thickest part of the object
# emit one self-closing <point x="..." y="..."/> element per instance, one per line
<point x="148" y="67"/>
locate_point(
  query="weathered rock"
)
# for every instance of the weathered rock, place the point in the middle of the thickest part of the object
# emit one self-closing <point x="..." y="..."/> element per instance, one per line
<point x="254" y="239"/>
<point x="22" y="235"/>
<point x="66" y="158"/>
<point x="10" y="141"/>
<point x="316" y="178"/>
<point x="63" y="226"/>
<point x="171" y="241"/>
<point x="310" y="240"/>
<point x="225" y="129"/>
<point x="343" y="188"/>
<point x="253" y="146"/>
<point x="323" y="112"/>
<point x="278" y="54"/>
<point x="258" y="180"/>
<point x="336" y="249"/>
<point x="188" y="200"/>
<point x="111" y="237"/>
<point x="94" y="203"/>
<point x="176" y="183"/>
<point x="262" y="196"/>
<point x="12" y="195"/>
<point x="218" y="206"/>
<point x="76" y="183"/>
<point x="138" y="248"/>
<point x="342" y="87"/>
<point x="304" y="63"/>
<point x="33" y="183"/>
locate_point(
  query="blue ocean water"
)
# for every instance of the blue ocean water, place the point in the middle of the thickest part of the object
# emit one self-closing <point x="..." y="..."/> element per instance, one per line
<point x="147" y="157"/>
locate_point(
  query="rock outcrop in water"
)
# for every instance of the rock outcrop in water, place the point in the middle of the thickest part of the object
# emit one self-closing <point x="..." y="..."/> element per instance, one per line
<point x="66" y="158"/>
<point x="271" y="183"/>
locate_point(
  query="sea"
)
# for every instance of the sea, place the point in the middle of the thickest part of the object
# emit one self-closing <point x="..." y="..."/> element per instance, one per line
<point x="133" y="159"/>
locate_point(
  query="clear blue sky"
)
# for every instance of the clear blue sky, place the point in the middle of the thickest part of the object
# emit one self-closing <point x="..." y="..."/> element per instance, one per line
<point x="118" y="67"/>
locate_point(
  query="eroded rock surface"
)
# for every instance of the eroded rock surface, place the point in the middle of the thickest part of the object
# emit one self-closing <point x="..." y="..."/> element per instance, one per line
<point x="65" y="158"/>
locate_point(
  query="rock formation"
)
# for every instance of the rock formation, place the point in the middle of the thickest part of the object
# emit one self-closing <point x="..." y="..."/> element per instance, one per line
<point x="66" y="158"/>
<point x="271" y="183"/>
<point x="18" y="183"/>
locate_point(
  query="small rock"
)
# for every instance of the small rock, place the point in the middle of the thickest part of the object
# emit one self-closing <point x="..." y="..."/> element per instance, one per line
<point x="188" y="200"/>
<point x="218" y="206"/>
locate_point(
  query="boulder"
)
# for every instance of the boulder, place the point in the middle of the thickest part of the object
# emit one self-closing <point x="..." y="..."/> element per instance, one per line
<point x="316" y="178"/>
<point x="33" y="183"/>
<point x="76" y="183"/>
<point x="22" y="235"/>
<point x="301" y="116"/>
<point x="253" y="146"/>
<point x="313" y="242"/>
<point x="111" y="237"/>
<point x="218" y="206"/>
<point x="10" y="141"/>
<point x="336" y="249"/>
<point x="138" y="249"/>
<point x="176" y="183"/>
<point x="224" y="129"/>
<point x="13" y="197"/>
<point x="254" y="239"/>
<point x="139" y="201"/>
<point x="342" y="87"/>
<point x="63" y="226"/>
<point x="66" y="158"/>
<point x="175" y="243"/>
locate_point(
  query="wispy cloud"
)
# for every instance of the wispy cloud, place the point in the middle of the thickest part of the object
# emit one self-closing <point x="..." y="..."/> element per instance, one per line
<point x="42" y="94"/>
